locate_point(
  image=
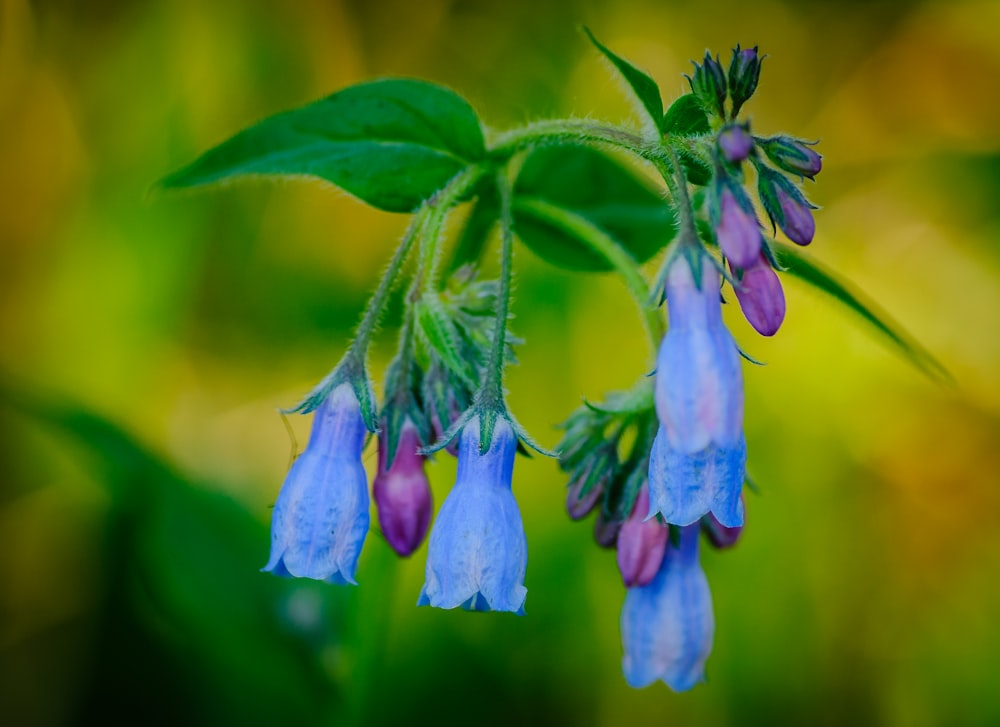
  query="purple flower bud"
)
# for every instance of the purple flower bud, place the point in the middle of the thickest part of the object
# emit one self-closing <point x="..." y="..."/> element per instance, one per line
<point x="737" y="230"/>
<point x="718" y="534"/>
<point x="320" y="519"/>
<point x="798" y="223"/>
<point x="735" y="144"/>
<point x="402" y="493"/>
<point x="761" y="297"/>
<point x="577" y="505"/>
<point x="792" y="155"/>
<point x="786" y="206"/>
<point x="606" y="530"/>
<point x="744" y="73"/>
<point x="641" y="543"/>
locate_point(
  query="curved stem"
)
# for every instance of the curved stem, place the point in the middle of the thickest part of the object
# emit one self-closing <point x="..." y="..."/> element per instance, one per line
<point x="562" y="132"/>
<point x="440" y="205"/>
<point x="377" y="302"/>
<point x="601" y="243"/>
<point x="491" y="394"/>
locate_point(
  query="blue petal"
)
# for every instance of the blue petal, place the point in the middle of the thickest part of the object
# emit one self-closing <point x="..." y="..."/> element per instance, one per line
<point x="477" y="555"/>
<point x="685" y="487"/>
<point x="320" y="519"/>
<point x="667" y="626"/>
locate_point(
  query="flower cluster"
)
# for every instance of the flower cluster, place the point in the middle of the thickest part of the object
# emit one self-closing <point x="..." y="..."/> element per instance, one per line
<point x="477" y="554"/>
<point x="661" y="463"/>
<point x="686" y="473"/>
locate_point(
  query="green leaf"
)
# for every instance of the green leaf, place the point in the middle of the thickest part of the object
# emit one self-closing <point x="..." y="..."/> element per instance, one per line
<point x="799" y="265"/>
<point x="391" y="143"/>
<point x="439" y="333"/>
<point x="685" y="117"/>
<point x="590" y="184"/>
<point x="645" y="88"/>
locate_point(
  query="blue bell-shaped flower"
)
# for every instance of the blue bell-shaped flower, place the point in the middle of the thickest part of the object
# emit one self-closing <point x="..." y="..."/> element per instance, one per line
<point x="698" y="459"/>
<point x="667" y="626"/>
<point x="478" y="553"/>
<point x="320" y="519"/>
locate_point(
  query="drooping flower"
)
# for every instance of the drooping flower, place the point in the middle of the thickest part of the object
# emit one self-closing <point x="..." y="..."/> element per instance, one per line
<point x="699" y="384"/>
<point x="698" y="458"/>
<point x="761" y="297"/>
<point x="478" y="553"/>
<point x="642" y="542"/>
<point x="667" y="626"/>
<point x="402" y="493"/>
<point x="320" y="519"/>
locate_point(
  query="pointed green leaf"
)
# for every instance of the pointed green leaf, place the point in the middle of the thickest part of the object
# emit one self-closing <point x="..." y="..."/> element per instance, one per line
<point x="437" y="331"/>
<point x="686" y="117"/>
<point x="799" y="265"/>
<point x="391" y="143"/>
<point x="593" y="186"/>
<point x="645" y="88"/>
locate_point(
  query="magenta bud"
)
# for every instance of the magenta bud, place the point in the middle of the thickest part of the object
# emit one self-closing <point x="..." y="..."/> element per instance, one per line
<point x="786" y="206"/>
<point x="798" y="223"/>
<point x="718" y="534"/>
<point x="606" y="530"/>
<point x="792" y="155"/>
<point x="641" y="543"/>
<point x="737" y="231"/>
<point x="744" y="73"/>
<point x="735" y="144"/>
<point x="761" y="297"/>
<point x="579" y="506"/>
<point x="402" y="493"/>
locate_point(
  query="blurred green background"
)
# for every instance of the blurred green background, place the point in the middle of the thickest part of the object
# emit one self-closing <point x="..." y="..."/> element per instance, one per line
<point x="147" y="341"/>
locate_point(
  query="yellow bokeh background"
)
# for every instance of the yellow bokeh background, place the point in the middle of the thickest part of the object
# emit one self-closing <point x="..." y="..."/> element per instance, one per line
<point x="865" y="590"/>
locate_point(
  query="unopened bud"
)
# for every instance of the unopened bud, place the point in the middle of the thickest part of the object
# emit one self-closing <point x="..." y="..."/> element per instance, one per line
<point x="606" y="530"/>
<point x="402" y="493"/>
<point x="792" y="155"/>
<point x="578" y="503"/>
<point x="709" y="85"/>
<point x="718" y="534"/>
<point x="744" y="72"/>
<point x="761" y="296"/>
<point x="641" y="543"/>
<point x="736" y="228"/>
<point x="786" y="206"/>
<point x="735" y="144"/>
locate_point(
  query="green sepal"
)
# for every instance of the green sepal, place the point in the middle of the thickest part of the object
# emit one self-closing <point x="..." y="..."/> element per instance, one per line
<point x="351" y="370"/>
<point x="437" y="330"/>
<point x="391" y="143"/>
<point x="642" y="84"/>
<point x="801" y="266"/>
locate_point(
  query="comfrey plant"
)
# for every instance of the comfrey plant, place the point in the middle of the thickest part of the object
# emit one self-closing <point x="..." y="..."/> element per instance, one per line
<point x="662" y="462"/>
